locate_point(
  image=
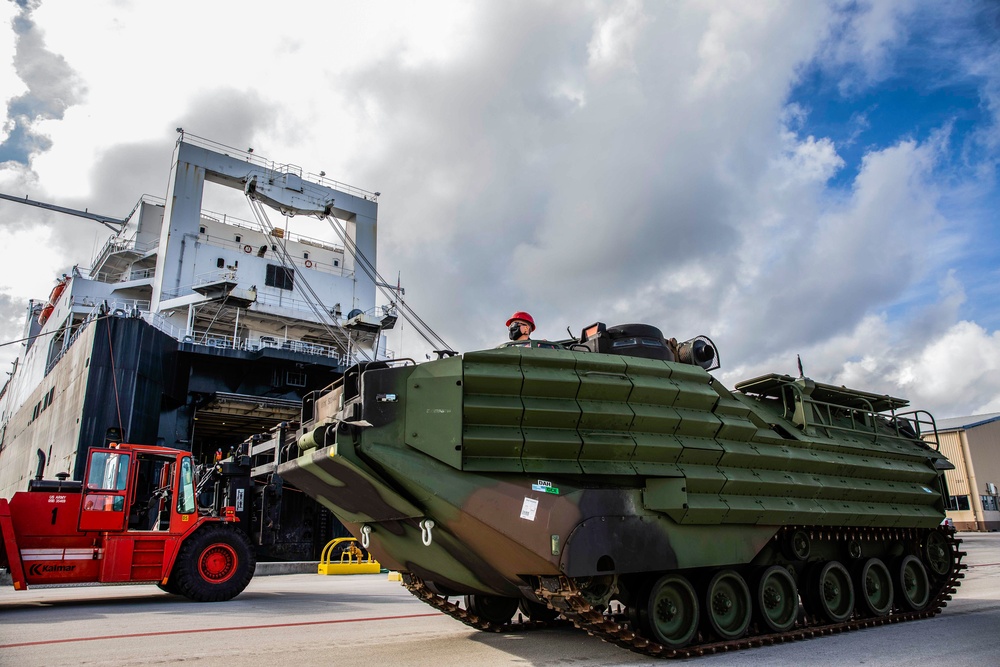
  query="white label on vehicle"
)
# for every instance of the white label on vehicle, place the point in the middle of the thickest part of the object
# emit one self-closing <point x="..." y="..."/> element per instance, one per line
<point x="529" y="508"/>
<point x="239" y="499"/>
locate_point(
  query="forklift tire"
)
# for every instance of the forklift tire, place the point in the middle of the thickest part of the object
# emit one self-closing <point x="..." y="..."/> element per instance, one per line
<point x="170" y="587"/>
<point x="214" y="564"/>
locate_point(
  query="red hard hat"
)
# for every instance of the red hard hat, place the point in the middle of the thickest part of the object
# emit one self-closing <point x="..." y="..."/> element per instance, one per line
<point x="521" y="315"/>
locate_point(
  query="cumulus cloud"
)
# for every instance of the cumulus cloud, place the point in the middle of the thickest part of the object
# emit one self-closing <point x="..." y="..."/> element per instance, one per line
<point x="41" y="245"/>
<point x="626" y="161"/>
<point x="12" y="313"/>
<point x="52" y="87"/>
<point x="865" y="36"/>
<point x="526" y="196"/>
<point x="687" y="195"/>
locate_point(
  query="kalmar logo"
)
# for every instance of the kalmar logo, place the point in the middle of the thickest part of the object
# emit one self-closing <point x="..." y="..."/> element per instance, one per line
<point x="38" y="569"/>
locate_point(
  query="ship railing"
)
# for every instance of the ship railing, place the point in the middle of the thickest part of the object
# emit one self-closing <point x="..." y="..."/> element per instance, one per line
<point x="266" y="298"/>
<point x="119" y="277"/>
<point x="103" y="308"/>
<point x="158" y="321"/>
<point x="248" y="343"/>
<point x="309" y="263"/>
<point x="213" y="276"/>
<point x="114" y="306"/>
<point x="139" y="274"/>
<point x="118" y="245"/>
<point x="282" y="301"/>
<point x="106" y="277"/>
<point x="230" y="274"/>
<point x="275" y="167"/>
<point x="254" y="344"/>
<point x="278" y="233"/>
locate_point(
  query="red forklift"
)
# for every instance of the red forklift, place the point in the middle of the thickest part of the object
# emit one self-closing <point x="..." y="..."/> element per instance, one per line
<point x="134" y="519"/>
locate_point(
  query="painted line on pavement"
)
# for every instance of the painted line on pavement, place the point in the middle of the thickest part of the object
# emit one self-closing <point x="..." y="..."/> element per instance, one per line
<point x="228" y="629"/>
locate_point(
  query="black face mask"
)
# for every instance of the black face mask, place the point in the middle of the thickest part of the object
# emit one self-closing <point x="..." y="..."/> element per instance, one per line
<point x="514" y="330"/>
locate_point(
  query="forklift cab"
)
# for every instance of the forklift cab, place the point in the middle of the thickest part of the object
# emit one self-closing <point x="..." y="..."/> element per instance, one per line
<point x="150" y="506"/>
<point x="136" y="490"/>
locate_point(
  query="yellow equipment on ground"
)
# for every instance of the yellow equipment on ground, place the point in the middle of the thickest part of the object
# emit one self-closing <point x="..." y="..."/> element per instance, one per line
<point x="352" y="559"/>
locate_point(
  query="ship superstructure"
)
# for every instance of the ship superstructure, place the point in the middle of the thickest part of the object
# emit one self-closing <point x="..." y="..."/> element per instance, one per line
<point x="196" y="329"/>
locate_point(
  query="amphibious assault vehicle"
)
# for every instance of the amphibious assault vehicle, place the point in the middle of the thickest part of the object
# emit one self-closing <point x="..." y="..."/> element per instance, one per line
<point x="611" y="481"/>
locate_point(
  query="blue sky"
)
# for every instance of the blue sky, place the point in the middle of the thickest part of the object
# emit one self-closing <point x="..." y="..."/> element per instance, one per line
<point x="933" y="81"/>
<point x="814" y="178"/>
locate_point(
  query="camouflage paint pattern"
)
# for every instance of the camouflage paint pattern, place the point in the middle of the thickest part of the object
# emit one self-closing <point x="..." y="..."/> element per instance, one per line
<point x="536" y="462"/>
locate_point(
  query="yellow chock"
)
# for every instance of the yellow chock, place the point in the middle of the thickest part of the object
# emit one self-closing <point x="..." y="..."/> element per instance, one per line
<point x="395" y="576"/>
<point x="352" y="559"/>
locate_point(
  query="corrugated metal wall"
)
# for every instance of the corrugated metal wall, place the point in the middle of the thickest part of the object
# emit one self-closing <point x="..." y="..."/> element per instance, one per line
<point x="984" y="443"/>
<point x="984" y="452"/>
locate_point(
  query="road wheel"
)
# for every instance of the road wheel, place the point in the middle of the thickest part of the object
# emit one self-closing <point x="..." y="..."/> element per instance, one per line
<point x="834" y="592"/>
<point x="670" y="614"/>
<point x="492" y="608"/>
<point x="914" y="588"/>
<point x="777" y="599"/>
<point x="874" y="585"/>
<point x="214" y="564"/>
<point x="536" y="611"/>
<point x="728" y="606"/>
<point x="937" y="553"/>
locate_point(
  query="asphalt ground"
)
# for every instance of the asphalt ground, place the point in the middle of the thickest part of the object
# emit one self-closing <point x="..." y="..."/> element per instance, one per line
<point x="308" y="619"/>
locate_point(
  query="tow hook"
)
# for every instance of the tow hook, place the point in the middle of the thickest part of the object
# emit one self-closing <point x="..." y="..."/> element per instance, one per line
<point x="425" y="531"/>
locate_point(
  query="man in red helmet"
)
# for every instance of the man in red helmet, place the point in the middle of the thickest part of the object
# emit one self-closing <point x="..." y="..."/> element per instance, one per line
<point x="520" y="325"/>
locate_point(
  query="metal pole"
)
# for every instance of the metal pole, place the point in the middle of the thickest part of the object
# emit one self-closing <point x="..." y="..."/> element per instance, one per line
<point x="975" y="503"/>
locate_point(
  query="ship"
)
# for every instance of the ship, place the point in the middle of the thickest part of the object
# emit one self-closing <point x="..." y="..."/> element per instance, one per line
<point x="197" y="329"/>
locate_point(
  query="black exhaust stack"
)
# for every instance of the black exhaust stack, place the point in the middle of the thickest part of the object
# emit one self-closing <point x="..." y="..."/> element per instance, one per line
<point x="41" y="464"/>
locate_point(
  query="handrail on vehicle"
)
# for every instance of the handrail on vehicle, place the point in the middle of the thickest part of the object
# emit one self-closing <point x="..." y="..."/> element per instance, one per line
<point x="905" y="425"/>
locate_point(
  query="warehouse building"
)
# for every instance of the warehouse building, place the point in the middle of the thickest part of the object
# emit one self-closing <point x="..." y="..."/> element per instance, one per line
<point x="973" y="445"/>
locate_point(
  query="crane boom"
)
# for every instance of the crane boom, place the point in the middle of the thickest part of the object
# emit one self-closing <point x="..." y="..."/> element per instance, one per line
<point x="105" y="220"/>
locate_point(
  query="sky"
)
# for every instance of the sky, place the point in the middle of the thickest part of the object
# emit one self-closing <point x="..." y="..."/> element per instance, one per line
<point x="788" y="178"/>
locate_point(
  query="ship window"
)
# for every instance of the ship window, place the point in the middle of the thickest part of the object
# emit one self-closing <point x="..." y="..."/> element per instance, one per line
<point x="236" y="264"/>
<point x="305" y="255"/>
<point x="220" y="263"/>
<point x="336" y="262"/>
<point x="201" y="230"/>
<point x="52" y="394"/>
<point x="239" y="238"/>
<point x="279" y="276"/>
<point x="295" y="379"/>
